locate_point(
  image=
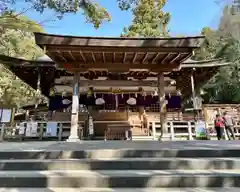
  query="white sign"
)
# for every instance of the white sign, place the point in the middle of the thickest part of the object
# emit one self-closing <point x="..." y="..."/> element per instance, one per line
<point x="21" y="128"/>
<point x="6" y="115"/>
<point x="90" y="126"/>
<point x="31" y="130"/>
<point x="51" y="129"/>
<point x="197" y="103"/>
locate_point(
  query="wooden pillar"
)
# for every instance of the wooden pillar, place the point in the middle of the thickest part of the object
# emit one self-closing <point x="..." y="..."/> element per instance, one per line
<point x="196" y="111"/>
<point x="162" y="103"/>
<point x="38" y="94"/>
<point x="75" y="108"/>
<point x="116" y="101"/>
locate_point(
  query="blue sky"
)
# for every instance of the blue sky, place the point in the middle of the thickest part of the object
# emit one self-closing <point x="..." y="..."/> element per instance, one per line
<point x="188" y="18"/>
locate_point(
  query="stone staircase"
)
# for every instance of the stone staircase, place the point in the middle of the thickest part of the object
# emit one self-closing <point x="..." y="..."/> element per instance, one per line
<point x="119" y="170"/>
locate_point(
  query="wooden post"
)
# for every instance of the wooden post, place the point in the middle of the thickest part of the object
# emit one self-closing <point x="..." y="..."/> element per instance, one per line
<point x="38" y="93"/>
<point x="75" y="106"/>
<point x="41" y="131"/>
<point x="190" y="137"/>
<point x="172" y="131"/>
<point x="162" y="104"/>
<point x="205" y="115"/>
<point x="2" y="132"/>
<point x="154" y="130"/>
<point x="60" y="131"/>
<point x="196" y="111"/>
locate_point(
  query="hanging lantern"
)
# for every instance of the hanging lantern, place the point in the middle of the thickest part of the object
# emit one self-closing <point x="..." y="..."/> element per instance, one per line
<point x="131" y="101"/>
<point x="155" y="93"/>
<point x="99" y="101"/>
<point x="66" y="101"/>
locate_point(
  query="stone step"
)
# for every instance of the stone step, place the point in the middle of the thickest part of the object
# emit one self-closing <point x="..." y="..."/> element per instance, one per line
<point x="222" y="189"/>
<point x="119" y="153"/>
<point x="122" y="164"/>
<point x="142" y="138"/>
<point x="121" y="179"/>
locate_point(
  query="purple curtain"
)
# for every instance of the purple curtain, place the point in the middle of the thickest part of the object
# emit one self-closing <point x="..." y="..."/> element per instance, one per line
<point x="173" y="101"/>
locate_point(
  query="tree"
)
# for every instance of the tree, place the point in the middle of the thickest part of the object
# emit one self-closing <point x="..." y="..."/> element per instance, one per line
<point x="93" y="11"/>
<point x="149" y="20"/>
<point x="17" y="41"/>
<point x="223" y="43"/>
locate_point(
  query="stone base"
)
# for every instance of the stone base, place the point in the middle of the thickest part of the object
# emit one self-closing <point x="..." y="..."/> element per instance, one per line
<point x="73" y="139"/>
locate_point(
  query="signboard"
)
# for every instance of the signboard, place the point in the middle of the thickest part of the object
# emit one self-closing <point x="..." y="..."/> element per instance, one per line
<point x="31" y="130"/>
<point x="51" y="129"/>
<point x="90" y="126"/>
<point x="6" y="115"/>
<point x="197" y="103"/>
<point x="200" y="129"/>
<point x="21" y="128"/>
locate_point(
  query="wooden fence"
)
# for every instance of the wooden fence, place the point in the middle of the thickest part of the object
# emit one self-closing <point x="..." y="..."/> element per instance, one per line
<point x="175" y="130"/>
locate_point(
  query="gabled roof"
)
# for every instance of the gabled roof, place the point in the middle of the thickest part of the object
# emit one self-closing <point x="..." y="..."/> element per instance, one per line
<point x="28" y="70"/>
<point x="117" y="54"/>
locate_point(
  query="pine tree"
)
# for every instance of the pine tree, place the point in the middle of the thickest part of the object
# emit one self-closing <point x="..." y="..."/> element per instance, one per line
<point x="149" y="20"/>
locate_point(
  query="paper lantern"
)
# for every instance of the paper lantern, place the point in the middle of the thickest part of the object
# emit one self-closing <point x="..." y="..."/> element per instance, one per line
<point x="99" y="101"/>
<point x="131" y="101"/>
<point x="66" y="101"/>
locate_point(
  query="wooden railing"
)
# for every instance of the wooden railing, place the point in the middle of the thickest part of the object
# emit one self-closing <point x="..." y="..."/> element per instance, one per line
<point x="175" y="130"/>
<point x="183" y="129"/>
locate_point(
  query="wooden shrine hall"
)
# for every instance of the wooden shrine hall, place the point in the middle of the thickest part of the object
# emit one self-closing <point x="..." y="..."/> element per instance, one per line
<point x="153" y="71"/>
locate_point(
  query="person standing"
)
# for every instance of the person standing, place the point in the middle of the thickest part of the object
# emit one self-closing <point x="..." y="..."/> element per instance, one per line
<point x="228" y="122"/>
<point x="219" y="126"/>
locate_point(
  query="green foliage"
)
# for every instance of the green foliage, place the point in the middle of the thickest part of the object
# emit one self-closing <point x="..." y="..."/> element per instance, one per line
<point x="149" y="19"/>
<point x="11" y="20"/>
<point x="224" y="87"/>
<point x="17" y="41"/>
<point x="92" y="11"/>
<point x="13" y="90"/>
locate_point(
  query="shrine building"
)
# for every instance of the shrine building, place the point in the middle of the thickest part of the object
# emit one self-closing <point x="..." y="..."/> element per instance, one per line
<point x="128" y="82"/>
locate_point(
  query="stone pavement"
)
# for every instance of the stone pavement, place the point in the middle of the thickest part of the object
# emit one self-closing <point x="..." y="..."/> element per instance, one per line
<point x="124" y="145"/>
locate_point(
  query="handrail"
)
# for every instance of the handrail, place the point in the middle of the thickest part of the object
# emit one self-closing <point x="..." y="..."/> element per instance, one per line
<point x="174" y="129"/>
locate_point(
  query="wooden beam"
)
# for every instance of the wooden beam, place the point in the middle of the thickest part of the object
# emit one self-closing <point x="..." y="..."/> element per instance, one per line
<point x="103" y="56"/>
<point x="122" y="68"/>
<point x="124" y="57"/>
<point x="165" y="57"/>
<point x="93" y="57"/>
<point x="185" y="58"/>
<point x="175" y="58"/>
<point x="145" y="57"/>
<point x="119" y="66"/>
<point x="162" y="50"/>
<point x="114" y="57"/>
<point x="134" y="58"/>
<point x="82" y="56"/>
<point x="49" y="39"/>
<point x="71" y="55"/>
<point x="155" y="58"/>
<point x="60" y="55"/>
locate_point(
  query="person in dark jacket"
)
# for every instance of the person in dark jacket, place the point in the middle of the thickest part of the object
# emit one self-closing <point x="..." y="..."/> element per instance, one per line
<point x="228" y="122"/>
